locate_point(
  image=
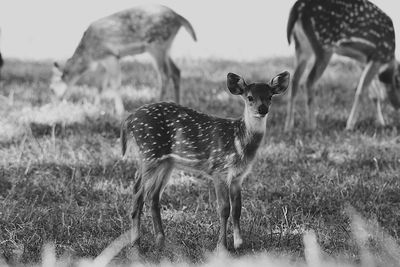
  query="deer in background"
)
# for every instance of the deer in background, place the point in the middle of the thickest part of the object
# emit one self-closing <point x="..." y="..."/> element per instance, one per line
<point x="357" y="29"/>
<point x="149" y="28"/>
<point x="168" y="135"/>
<point x="1" y="59"/>
<point x="1" y="64"/>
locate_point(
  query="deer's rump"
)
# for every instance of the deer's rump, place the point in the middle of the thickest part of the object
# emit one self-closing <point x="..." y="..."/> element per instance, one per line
<point x="347" y="24"/>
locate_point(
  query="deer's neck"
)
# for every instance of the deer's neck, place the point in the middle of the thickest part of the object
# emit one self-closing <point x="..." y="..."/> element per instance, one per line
<point x="250" y="132"/>
<point x="254" y="125"/>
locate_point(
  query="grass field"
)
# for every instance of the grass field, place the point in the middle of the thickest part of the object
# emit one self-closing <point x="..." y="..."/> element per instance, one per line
<point x="62" y="178"/>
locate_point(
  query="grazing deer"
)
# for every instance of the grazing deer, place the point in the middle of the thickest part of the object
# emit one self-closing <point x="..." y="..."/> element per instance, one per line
<point x="168" y="135"/>
<point x="357" y="29"/>
<point x="149" y="28"/>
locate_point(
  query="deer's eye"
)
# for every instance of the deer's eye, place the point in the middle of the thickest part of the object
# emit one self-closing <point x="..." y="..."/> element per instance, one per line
<point x="250" y="98"/>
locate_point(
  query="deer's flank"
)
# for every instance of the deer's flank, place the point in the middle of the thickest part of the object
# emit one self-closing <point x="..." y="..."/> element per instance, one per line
<point x="191" y="139"/>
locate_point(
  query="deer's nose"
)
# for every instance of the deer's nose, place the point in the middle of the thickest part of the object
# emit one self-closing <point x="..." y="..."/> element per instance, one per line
<point x="263" y="109"/>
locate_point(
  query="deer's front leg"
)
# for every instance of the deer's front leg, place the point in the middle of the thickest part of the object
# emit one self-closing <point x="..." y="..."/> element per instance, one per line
<point x="119" y="104"/>
<point x="368" y="74"/>
<point x="379" y="115"/>
<point x="222" y="192"/>
<point x="236" y="206"/>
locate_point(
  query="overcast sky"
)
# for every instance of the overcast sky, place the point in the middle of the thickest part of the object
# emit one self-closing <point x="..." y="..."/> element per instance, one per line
<point x="249" y="29"/>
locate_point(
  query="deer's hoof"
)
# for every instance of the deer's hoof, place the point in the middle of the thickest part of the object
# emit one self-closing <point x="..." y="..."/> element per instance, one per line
<point x="237" y="243"/>
<point x="221" y="250"/>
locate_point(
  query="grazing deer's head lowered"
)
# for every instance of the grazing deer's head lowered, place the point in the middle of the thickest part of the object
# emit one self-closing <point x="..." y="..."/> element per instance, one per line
<point x="168" y="135"/>
<point x="58" y="83"/>
<point x="146" y="28"/>
<point x="357" y="29"/>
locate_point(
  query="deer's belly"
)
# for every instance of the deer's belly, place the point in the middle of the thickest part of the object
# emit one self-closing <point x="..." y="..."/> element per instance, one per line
<point x="230" y="166"/>
<point x="213" y="164"/>
<point x="356" y="48"/>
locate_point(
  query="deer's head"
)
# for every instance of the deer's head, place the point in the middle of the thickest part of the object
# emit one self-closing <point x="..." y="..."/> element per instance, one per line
<point x="67" y="75"/>
<point x="57" y="85"/>
<point x="257" y="96"/>
<point x="390" y="77"/>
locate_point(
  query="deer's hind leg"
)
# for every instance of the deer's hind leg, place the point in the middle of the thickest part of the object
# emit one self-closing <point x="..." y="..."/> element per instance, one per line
<point x="175" y="74"/>
<point x="165" y="67"/>
<point x="160" y="56"/>
<point x="156" y="178"/>
<point x="137" y="205"/>
<point x="322" y="59"/>
<point x="303" y="55"/>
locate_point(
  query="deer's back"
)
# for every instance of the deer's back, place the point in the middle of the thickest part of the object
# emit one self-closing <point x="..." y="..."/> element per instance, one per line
<point x="145" y="25"/>
<point x="345" y="22"/>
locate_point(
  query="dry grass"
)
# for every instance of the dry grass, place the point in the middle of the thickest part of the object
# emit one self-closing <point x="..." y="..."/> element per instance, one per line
<point x="62" y="179"/>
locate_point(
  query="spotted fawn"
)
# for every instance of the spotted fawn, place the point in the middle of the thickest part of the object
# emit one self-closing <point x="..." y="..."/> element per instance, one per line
<point x="168" y="135"/>
<point x="357" y="29"/>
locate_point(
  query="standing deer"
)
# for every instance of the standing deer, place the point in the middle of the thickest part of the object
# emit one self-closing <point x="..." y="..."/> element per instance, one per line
<point x="149" y="28"/>
<point x="357" y="29"/>
<point x="168" y="135"/>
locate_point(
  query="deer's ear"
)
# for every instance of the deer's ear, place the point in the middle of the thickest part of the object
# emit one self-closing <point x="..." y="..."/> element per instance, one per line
<point x="235" y="83"/>
<point x="280" y="83"/>
<point x="56" y="68"/>
<point x="56" y="65"/>
<point x="386" y="76"/>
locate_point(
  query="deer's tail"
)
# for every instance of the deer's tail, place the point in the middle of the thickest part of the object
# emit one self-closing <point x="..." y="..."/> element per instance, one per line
<point x="186" y="24"/>
<point x="157" y="176"/>
<point x="294" y="15"/>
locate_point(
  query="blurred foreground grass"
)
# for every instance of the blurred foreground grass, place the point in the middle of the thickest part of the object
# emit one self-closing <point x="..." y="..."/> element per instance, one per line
<point x="62" y="179"/>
